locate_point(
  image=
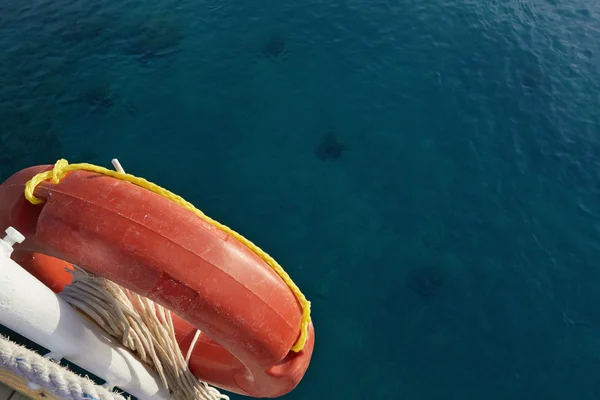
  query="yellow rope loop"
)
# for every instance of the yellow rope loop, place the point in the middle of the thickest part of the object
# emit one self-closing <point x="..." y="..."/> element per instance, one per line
<point x="60" y="170"/>
<point x="32" y="184"/>
<point x="62" y="167"/>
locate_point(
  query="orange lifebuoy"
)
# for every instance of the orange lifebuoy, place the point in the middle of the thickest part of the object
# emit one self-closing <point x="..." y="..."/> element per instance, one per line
<point x="249" y="317"/>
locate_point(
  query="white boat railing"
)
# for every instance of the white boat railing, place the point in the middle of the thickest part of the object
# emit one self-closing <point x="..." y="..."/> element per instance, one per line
<point x="32" y="310"/>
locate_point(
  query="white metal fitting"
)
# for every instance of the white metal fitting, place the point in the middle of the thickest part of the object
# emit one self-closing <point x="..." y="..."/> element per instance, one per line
<point x="12" y="236"/>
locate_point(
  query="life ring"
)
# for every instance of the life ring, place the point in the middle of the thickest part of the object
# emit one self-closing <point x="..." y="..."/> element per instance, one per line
<point x="256" y="338"/>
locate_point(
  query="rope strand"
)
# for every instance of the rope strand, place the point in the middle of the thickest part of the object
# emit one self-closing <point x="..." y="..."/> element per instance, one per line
<point x="49" y="375"/>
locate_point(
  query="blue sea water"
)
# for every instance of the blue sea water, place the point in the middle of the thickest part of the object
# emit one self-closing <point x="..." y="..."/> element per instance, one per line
<point x="427" y="172"/>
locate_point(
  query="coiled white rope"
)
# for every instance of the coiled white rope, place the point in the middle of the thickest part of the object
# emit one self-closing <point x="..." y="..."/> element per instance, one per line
<point x="49" y="375"/>
<point x="142" y="326"/>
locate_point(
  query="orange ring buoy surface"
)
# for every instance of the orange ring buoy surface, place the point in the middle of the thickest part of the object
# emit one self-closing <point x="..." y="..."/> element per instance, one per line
<point x="140" y="240"/>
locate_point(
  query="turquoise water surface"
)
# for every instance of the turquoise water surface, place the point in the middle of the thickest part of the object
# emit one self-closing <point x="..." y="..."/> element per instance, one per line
<point x="427" y="172"/>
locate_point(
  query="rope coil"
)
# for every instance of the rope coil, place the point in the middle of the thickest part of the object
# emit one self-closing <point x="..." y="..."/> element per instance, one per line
<point x="62" y="168"/>
<point x="141" y="326"/>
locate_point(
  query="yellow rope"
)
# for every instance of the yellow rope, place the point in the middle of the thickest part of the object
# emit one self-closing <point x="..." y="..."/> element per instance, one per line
<point x="62" y="167"/>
